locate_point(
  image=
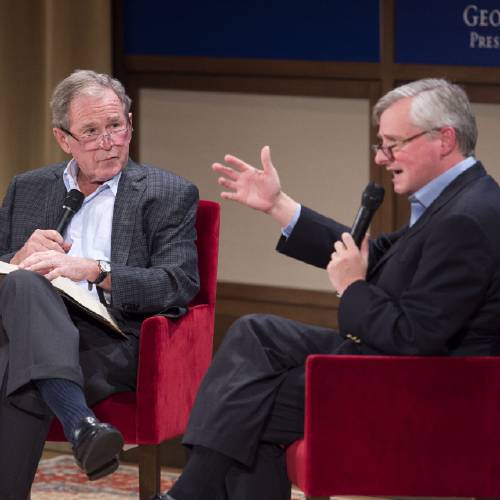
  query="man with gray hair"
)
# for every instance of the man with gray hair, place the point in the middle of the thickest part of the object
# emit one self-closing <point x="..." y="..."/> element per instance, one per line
<point x="131" y="244"/>
<point x="431" y="288"/>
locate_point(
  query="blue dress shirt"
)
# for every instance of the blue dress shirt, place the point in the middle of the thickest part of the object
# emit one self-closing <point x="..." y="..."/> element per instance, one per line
<point x="89" y="231"/>
<point x="423" y="198"/>
<point x="419" y="200"/>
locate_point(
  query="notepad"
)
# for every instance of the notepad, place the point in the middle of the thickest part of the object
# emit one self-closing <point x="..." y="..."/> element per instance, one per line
<point x="77" y="295"/>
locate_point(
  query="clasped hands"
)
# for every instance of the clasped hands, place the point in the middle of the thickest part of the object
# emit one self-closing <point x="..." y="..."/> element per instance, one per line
<point x="45" y="252"/>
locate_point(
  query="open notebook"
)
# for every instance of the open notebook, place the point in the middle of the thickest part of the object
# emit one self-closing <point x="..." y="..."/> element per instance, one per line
<point x="76" y="295"/>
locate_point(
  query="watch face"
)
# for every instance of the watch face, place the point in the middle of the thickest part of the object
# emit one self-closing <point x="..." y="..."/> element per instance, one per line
<point x="105" y="266"/>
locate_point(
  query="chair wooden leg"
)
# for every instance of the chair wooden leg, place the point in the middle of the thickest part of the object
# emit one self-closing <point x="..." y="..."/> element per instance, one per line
<point x="149" y="471"/>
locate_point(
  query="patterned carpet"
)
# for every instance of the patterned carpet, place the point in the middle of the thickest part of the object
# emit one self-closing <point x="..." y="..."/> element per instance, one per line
<point x="60" y="479"/>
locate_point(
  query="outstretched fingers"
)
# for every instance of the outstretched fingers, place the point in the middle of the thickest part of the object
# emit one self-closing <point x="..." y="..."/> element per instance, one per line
<point x="232" y="195"/>
<point x="227" y="171"/>
<point x="228" y="195"/>
<point x="265" y="158"/>
<point x="227" y="183"/>
<point x="238" y="163"/>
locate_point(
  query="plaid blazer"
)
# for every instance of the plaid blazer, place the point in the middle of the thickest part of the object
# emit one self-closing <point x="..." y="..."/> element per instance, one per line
<point x="153" y="252"/>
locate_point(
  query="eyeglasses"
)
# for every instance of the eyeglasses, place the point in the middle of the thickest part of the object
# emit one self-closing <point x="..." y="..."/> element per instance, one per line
<point x="92" y="139"/>
<point x="389" y="150"/>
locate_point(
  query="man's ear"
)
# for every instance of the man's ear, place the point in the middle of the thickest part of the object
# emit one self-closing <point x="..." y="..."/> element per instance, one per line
<point x="448" y="140"/>
<point x="62" y="140"/>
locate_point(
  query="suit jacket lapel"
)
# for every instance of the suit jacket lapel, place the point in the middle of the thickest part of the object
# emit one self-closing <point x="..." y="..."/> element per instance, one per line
<point x="387" y="255"/>
<point x="461" y="182"/>
<point x="129" y="193"/>
<point x="452" y="190"/>
<point x="55" y="198"/>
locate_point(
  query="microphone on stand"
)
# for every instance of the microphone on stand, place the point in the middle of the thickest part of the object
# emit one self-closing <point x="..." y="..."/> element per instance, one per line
<point x="71" y="204"/>
<point x="371" y="199"/>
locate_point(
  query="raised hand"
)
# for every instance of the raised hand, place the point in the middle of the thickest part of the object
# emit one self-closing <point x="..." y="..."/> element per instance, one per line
<point x="257" y="189"/>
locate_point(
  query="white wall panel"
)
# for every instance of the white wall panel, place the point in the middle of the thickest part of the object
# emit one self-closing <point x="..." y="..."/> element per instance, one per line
<point x="319" y="145"/>
<point x="488" y="144"/>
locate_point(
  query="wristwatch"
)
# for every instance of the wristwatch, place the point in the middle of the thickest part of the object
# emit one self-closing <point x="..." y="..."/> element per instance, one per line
<point x="104" y="270"/>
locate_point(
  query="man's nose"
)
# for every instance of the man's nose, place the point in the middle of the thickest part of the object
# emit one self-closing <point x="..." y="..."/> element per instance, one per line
<point x="380" y="158"/>
<point x="106" y="141"/>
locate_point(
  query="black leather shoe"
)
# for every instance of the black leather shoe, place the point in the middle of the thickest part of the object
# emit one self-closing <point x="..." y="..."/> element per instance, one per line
<point x="96" y="447"/>
<point x="165" y="496"/>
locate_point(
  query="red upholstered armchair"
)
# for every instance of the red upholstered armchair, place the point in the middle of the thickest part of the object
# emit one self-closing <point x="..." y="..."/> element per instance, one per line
<point x="174" y="355"/>
<point x="399" y="426"/>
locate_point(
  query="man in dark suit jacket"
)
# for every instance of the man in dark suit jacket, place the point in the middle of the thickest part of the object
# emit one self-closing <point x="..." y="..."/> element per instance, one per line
<point x="132" y="245"/>
<point x="432" y="288"/>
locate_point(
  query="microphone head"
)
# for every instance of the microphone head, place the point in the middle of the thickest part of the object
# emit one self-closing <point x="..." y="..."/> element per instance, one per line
<point x="74" y="200"/>
<point x="373" y="196"/>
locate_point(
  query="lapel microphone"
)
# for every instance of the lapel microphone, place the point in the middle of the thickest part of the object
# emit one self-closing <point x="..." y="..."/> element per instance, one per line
<point x="71" y="204"/>
<point x="371" y="199"/>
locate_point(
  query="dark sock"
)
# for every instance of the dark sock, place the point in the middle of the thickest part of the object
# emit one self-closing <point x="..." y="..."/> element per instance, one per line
<point x="204" y="475"/>
<point x="67" y="402"/>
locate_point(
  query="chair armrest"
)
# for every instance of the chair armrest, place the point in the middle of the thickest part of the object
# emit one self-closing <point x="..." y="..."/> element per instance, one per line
<point x="417" y="426"/>
<point x="173" y="357"/>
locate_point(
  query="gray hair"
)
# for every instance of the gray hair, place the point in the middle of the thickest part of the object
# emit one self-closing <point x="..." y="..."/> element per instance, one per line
<point x="437" y="103"/>
<point x="83" y="82"/>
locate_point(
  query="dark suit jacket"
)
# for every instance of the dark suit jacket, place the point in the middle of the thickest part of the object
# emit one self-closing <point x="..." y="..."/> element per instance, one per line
<point x="432" y="289"/>
<point x="153" y="252"/>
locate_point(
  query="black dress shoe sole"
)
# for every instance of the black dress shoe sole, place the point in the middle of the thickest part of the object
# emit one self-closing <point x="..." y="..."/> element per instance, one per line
<point x="100" y="456"/>
<point x="106" y="469"/>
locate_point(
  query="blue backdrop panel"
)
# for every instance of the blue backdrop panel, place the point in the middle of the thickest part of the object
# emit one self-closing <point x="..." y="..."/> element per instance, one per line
<point x="276" y="29"/>
<point x="455" y="32"/>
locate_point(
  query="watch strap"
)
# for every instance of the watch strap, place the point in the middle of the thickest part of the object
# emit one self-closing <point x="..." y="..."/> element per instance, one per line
<point x="103" y="273"/>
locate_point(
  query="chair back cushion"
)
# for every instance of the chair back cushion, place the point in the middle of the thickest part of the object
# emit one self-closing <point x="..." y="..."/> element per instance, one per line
<point x="207" y="242"/>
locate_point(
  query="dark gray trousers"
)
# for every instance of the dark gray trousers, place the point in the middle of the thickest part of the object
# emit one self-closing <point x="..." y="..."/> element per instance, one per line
<point x="252" y="399"/>
<point x="43" y="337"/>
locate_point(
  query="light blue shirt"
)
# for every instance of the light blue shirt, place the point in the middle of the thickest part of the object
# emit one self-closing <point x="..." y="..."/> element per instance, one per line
<point x="422" y="199"/>
<point x="419" y="200"/>
<point x="89" y="231"/>
<point x="287" y="231"/>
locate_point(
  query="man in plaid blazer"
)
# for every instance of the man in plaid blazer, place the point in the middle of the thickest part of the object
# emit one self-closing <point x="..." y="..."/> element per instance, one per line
<point x="131" y="244"/>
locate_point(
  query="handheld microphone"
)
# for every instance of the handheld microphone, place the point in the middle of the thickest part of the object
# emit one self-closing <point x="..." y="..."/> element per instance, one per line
<point x="371" y="199"/>
<point x="71" y="205"/>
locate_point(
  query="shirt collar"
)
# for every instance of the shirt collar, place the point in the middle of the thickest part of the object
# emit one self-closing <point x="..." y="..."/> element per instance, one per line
<point x="70" y="175"/>
<point x="427" y="194"/>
